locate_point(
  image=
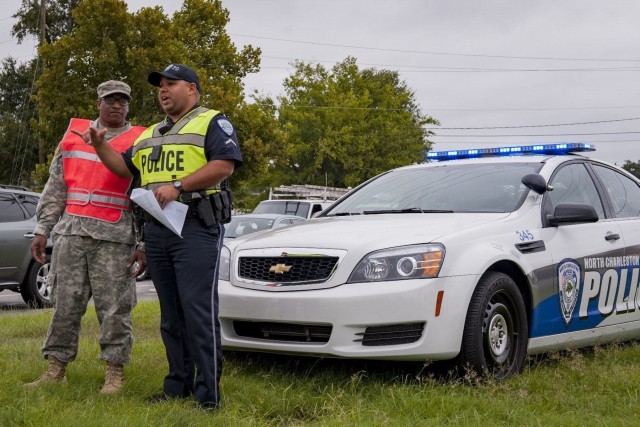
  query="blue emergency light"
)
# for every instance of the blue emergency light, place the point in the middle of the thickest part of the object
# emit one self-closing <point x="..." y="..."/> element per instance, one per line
<point x="555" y="149"/>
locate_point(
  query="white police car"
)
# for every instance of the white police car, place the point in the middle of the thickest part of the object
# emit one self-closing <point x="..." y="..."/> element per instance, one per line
<point x="482" y="260"/>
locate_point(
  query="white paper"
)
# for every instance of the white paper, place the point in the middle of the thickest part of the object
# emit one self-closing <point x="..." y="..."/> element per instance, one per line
<point x="172" y="216"/>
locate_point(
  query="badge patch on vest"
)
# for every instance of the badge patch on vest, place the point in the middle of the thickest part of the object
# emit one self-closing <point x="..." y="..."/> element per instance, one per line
<point x="226" y="126"/>
<point x="568" y="287"/>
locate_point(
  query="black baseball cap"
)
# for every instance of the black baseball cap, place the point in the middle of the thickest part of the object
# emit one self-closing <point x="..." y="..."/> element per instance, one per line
<point x="175" y="72"/>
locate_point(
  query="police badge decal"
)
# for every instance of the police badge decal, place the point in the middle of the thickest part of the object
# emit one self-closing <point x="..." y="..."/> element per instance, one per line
<point x="568" y="287"/>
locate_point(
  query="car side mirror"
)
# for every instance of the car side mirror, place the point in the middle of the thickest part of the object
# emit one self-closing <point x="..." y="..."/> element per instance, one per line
<point x="566" y="213"/>
<point x="536" y="182"/>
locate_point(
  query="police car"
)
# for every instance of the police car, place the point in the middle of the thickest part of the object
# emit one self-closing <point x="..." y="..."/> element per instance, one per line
<point x="479" y="256"/>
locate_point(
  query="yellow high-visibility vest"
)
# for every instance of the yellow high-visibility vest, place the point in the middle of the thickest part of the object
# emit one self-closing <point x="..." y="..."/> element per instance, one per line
<point x="179" y="152"/>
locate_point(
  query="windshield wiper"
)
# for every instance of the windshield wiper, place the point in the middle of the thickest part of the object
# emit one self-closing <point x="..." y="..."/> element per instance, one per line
<point x="345" y="214"/>
<point x="407" y="210"/>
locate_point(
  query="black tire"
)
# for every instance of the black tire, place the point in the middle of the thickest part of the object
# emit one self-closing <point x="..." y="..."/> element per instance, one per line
<point x="496" y="332"/>
<point x="36" y="290"/>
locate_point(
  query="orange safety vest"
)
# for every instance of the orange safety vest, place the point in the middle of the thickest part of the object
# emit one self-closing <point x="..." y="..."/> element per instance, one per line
<point x="92" y="190"/>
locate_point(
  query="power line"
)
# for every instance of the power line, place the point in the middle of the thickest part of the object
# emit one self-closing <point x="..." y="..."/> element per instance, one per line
<point x="382" y="109"/>
<point x="608" y="141"/>
<point x="423" y="68"/>
<point x="536" y="126"/>
<point x="532" y="109"/>
<point x="502" y="143"/>
<point x="536" y="135"/>
<point x="433" y="52"/>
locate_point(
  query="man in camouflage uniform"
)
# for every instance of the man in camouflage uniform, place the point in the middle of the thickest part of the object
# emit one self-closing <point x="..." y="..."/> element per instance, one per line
<point x="87" y="210"/>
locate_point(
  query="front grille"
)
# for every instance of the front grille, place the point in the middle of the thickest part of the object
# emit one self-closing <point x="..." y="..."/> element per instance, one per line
<point x="283" y="331"/>
<point x="289" y="269"/>
<point x="391" y="334"/>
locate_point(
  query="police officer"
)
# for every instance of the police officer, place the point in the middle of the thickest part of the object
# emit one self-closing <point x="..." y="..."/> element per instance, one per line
<point x="87" y="208"/>
<point x="184" y="157"/>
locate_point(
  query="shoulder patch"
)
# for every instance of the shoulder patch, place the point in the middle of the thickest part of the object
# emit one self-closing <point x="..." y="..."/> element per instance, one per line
<point x="226" y="126"/>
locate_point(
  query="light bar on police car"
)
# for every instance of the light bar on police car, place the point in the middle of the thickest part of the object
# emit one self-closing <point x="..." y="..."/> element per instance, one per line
<point x="563" y="148"/>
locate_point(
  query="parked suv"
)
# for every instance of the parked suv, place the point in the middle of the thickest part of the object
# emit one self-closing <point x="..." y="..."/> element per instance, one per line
<point x="19" y="272"/>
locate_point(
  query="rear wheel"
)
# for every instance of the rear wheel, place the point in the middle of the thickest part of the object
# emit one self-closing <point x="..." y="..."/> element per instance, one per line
<point x="496" y="334"/>
<point x="36" y="290"/>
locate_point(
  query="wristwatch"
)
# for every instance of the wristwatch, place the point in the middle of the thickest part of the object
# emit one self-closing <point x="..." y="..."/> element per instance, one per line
<point x="178" y="186"/>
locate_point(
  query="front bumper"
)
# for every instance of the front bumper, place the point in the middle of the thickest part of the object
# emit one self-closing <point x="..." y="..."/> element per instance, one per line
<point x="398" y="317"/>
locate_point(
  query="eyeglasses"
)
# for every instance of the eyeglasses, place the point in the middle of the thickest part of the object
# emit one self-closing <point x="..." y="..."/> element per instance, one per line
<point x="112" y="100"/>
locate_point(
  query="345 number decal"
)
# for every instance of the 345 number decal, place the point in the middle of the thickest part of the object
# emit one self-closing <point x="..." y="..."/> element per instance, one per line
<point x="525" y="235"/>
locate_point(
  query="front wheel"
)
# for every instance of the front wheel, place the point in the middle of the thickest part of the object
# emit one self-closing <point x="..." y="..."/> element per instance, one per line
<point x="36" y="290"/>
<point x="496" y="332"/>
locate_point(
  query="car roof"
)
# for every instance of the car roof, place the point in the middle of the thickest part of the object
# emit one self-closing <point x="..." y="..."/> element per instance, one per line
<point x="520" y="158"/>
<point x="14" y="189"/>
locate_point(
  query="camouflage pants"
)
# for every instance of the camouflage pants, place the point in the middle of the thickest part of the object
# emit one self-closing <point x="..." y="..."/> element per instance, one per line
<point x="83" y="267"/>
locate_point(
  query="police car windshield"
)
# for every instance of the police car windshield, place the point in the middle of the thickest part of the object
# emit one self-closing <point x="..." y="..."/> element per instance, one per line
<point x="447" y="187"/>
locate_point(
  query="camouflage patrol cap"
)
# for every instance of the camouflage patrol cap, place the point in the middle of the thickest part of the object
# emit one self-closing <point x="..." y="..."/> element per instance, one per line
<point x="113" y="86"/>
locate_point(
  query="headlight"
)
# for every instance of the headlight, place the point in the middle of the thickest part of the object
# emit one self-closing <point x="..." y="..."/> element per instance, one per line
<point x="407" y="262"/>
<point x="224" y="269"/>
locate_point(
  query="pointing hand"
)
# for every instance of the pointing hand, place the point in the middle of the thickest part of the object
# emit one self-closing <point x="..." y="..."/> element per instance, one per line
<point x="92" y="136"/>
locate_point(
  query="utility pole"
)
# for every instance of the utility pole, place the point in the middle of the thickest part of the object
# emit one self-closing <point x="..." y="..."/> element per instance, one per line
<point x="43" y="25"/>
<point x="43" y="21"/>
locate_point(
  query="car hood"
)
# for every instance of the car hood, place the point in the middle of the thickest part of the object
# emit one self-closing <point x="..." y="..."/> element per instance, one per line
<point x="371" y="231"/>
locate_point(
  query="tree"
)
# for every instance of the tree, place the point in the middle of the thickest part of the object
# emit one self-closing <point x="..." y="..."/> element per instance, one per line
<point x="58" y="19"/>
<point x="264" y="151"/>
<point x="347" y="125"/>
<point x="18" y="150"/>
<point x="92" y="41"/>
<point x="333" y="127"/>
<point x="632" y="167"/>
<point x="107" y="42"/>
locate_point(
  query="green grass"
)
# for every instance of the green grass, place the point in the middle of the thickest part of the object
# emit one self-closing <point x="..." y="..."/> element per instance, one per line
<point x="596" y="386"/>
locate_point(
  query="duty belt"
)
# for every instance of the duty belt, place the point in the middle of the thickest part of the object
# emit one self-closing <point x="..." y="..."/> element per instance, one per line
<point x="192" y="212"/>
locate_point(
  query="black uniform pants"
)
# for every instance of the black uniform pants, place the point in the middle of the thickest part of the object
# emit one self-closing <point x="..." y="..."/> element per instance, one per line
<point x="185" y="274"/>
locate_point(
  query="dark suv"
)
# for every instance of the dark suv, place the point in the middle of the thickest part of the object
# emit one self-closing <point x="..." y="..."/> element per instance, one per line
<point x="19" y="272"/>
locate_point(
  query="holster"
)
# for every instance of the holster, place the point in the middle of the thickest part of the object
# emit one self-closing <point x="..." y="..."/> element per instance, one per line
<point x="138" y="221"/>
<point x="211" y="209"/>
<point x="221" y="204"/>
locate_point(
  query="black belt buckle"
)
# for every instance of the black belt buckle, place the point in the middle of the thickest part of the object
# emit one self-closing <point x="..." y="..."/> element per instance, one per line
<point x="150" y="218"/>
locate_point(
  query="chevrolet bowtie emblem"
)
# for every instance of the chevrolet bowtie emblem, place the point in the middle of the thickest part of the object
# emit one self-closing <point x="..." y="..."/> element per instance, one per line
<point x="279" y="268"/>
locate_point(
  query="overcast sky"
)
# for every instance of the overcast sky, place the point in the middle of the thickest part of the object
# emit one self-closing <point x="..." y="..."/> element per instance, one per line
<point x="520" y="72"/>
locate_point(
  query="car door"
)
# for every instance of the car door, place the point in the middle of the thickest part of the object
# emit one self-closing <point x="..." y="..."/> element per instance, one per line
<point x="16" y="227"/>
<point x="623" y="194"/>
<point x="582" y="287"/>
